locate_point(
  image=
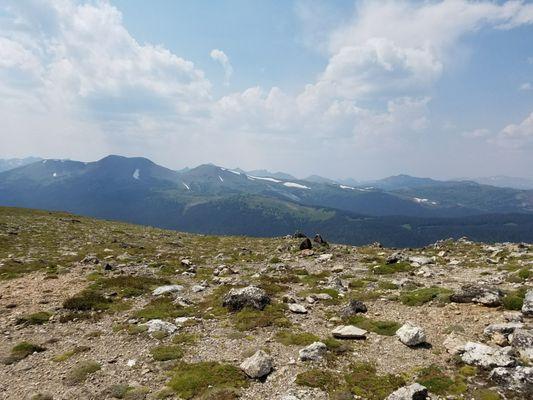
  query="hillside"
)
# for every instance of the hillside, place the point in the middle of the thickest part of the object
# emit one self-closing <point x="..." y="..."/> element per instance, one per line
<point x="216" y="200"/>
<point x="104" y="310"/>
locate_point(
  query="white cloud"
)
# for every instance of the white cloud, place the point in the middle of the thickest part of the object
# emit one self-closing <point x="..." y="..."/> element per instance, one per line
<point x="517" y="135"/>
<point x="73" y="77"/>
<point x="223" y="60"/>
<point x="526" y="86"/>
<point x="477" y="133"/>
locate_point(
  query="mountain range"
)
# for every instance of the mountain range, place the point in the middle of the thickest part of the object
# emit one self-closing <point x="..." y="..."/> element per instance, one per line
<point x="397" y="211"/>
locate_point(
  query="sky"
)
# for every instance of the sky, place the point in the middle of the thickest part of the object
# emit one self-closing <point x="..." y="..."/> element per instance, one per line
<point x="360" y="89"/>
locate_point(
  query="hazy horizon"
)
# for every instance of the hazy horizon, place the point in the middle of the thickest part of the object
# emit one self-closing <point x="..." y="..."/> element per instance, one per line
<point x="339" y="89"/>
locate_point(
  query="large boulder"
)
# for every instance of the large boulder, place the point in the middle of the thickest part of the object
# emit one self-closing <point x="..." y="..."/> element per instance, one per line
<point x="167" y="289"/>
<point x="297" y="308"/>
<point x="527" y="307"/>
<point x="412" y="392"/>
<point x="484" y="356"/>
<point x="314" y="352"/>
<point x="157" y="325"/>
<point x="250" y="296"/>
<point x="411" y="335"/>
<point x="306" y="244"/>
<point x="475" y="293"/>
<point x="257" y="366"/>
<point x="518" y="379"/>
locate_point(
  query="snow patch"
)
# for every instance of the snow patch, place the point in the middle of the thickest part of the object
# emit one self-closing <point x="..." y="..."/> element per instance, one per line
<point x="422" y="200"/>
<point x="54" y="174"/>
<point x="264" y="179"/>
<point x="221" y="180"/>
<point x="346" y="187"/>
<point x="187" y="186"/>
<point x="229" y="170"/>
<point x="295" y="185"/>
<point x="136" y="174"/>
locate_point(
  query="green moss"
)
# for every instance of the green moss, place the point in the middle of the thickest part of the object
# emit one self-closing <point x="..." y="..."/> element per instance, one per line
<point x="424" y="295"/>
<point x="524" y="273"/>
<point x="272" y="315"/>
<point x="288" y="338"/>
<point x="194" y="380"/>
<point x="363" y="381"/>
<point x="384" y="328"/>
<point x="486" y="394"/>
<point x="318" y="378"/>
<point x="161" y="308"/>
<point x="388" y="269"/>
<point x="336" y="346"/>
<point x="118" y="391"/>
<point x="438" y="382"/>
<point x="165" y="353"/>
<point x="128" y="285"/>
<point x="21" y="351"/>
<point x="87" y="300"/>
<point x="76" y="350"/>
<point x="81" y="372"/>
<point x="37" y="318"/>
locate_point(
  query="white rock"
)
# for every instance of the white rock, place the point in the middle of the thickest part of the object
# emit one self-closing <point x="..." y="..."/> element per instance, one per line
<point x="420" y="260"/>
<point x="324" y="257"/>
<point x="412" y="392"/>
<point x="527" y="307"/>
<point x="131" y="363"/>
<point x="297" y="308"/>
<point x="157" y="325"/>
<point x="167" y="289"/>
<point x="180" y="321"/>
<point x="411" y="335"/>
<point x="487" y="357"/>
<point x="454" y="343"/>
<point x="198" y="288"/>
<point x="518" y="379"/>
<point x="322" y="296"/>
<point x="505" y="328"/>
<point x="348" y="332"/>
<point x="314" y="352"/>
<point x="258" y="365"/>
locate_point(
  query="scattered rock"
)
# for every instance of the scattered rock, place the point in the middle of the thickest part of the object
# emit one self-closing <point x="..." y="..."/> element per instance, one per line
<point x="250" y="296"/>
<point x="257" y="366"/>
<point x="487" y="357"/>
<point x="475" y="293"/>
<point x="518" y="379"/>
<point x="420" y="260"/>
<point x="454" y="343"/>
<point x="167" y="289"/>
<point x="348" y="332"/>
<point x="353" y="307"/>
<point x="411" y="335"/>
<point x="306" y="244"/>
<point x="412" y="392"/>
<point x="314" y="352"/>
<point x="527" y="307"/>
<point x="297" y="308"/>
<point x="522" y="341"/>
<point x="157" y="325"/>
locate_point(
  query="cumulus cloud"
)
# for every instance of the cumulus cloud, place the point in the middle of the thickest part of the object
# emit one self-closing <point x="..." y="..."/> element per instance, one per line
<point x="517" y="135"/>
<point x="223" y="60"/>
<point x="73" y="77"/>
<point x="526" y="86"/>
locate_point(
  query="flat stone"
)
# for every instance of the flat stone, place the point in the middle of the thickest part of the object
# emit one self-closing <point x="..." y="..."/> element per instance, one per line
<point x="314" y="352"/>
<point x="167" y="289"/>
<point x="297" y="308"/>
<point x="157" y="325"/>
<point x="487" y="357"/>
<point x="518" y="379"/>
<point x="348" y="332"/>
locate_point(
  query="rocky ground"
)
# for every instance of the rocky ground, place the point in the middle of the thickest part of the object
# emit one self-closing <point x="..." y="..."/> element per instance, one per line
<point x="102" y="310"/>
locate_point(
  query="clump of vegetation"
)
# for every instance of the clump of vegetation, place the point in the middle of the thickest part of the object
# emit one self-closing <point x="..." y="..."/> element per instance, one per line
<point x="288" y="338"/>
<point x="81" y="372"/>
<point x="76" y="350"/>
<point x="486" y="394"/>
<point x="388" y="269"/>
<point x="318" y="378"/>
<point x="515" y="299"/>
<point x="194" y="380"/>
<point x="272" y="315"/>
<point x="37" y="318"/>
<point x="21" y="351"/>
<point x="425" y="295"/>
<point x="161" y="308"/>
<point x="438" y="382"/>
<point x="87" y="300"/>
<point x="185" y="338"/>
<point x="336" y="346"/>
<point x="118" y="391"/>
<point x="384" y="328"/>
<point x="128" y="285"/>
<point x="165" y="353"/>
<point x="363" y="381"/>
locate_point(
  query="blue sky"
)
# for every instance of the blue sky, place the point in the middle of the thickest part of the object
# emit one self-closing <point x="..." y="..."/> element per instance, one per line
<point x="358" y="89"/>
